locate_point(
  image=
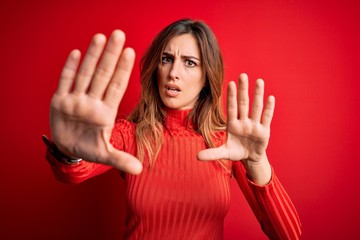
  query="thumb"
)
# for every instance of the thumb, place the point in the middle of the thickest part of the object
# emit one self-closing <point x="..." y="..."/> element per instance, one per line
<point x="125" y="162"/>
<point x="213" y="154"/>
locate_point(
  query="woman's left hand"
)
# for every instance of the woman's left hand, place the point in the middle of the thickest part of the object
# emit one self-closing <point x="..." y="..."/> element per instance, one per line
<point x="247" y="135"/>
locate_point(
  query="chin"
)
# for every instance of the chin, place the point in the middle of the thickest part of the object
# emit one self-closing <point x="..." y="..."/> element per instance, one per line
<point x="174" y="104"/>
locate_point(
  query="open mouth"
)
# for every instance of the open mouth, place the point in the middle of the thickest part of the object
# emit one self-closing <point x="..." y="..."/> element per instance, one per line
<point x="172" y="89"/>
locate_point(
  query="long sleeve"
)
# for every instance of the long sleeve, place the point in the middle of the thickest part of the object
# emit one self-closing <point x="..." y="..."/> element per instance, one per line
<point x="84" y="170"/>
<point x="271" y="205"/>
<point x="75" y="173"/>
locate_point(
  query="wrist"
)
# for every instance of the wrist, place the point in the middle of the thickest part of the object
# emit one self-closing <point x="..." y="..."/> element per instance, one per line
<point x="59" y="155"/>
<point x="259" y="171"/>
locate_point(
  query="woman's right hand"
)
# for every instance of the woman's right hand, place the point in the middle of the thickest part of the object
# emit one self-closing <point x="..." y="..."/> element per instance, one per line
<point x="84" y="107"/>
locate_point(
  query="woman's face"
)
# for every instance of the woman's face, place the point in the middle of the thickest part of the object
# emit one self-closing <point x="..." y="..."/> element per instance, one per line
<point x="180" y="74"/>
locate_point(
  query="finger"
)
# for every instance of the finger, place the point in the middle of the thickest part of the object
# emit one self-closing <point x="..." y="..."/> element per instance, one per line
<point x="232" y="109"/>
<point x="125" y="162"/>
<point x="120" y="80"/>
<point x="243" y="96"/>
<point x="269" y="111"/>
<point x="69" y="72"/>
<point x="87" y="68"/>
<point x="105" y="70"/>
<point x="211" y="154"/>
<point x="258" y="100"/>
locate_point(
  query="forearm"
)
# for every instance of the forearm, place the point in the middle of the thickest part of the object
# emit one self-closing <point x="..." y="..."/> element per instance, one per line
<point x="271" y="205"/>
<point x="67" y="172"/>
<point x="279" y="218"/>
<point x="75" y="173"/>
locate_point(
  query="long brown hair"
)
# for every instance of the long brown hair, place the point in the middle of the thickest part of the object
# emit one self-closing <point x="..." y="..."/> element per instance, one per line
<point x="150" y="113"/>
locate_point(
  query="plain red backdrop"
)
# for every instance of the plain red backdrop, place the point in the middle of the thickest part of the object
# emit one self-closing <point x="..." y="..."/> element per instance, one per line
<point x="307" y="53"/>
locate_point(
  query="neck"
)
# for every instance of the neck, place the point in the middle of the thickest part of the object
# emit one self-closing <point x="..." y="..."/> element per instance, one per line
<point x="178" y="118"/>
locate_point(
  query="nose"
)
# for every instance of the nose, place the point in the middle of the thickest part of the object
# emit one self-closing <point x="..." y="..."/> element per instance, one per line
<point x="175" y="71"/>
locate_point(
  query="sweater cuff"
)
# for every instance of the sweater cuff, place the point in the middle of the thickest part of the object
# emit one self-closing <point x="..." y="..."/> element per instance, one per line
<point x="57" y="154"/>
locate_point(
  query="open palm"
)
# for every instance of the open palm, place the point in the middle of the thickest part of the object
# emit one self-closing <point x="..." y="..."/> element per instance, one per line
<point x="247" y="134"/>
<point x="84" y="107"/>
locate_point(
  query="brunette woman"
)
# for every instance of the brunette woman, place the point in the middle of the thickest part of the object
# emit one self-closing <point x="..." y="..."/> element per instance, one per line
<point x="176" y="152"/>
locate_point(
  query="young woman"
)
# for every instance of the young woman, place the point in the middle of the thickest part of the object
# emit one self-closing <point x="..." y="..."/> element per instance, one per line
<point x="176" y="152"/>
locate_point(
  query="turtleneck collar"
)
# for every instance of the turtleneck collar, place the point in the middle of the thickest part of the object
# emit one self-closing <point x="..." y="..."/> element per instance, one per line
<point x="177" y="119"/>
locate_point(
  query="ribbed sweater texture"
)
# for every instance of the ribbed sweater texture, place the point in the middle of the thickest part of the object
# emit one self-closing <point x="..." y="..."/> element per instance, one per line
<point x="180" y="197"/>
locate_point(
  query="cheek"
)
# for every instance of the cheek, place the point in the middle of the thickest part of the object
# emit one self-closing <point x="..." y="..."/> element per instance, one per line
<point x="200" y="83"/>
<point x="161" y="75"/>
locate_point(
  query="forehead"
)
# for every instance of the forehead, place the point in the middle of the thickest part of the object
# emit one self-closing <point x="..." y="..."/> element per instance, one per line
<point x="184" y="44"/>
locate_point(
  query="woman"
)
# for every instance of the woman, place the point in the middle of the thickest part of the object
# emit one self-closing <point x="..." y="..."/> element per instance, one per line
<point x="178" y="121"/>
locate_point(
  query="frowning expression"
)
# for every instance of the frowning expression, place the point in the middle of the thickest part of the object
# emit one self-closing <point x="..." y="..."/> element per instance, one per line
<point x="180" y="73"/>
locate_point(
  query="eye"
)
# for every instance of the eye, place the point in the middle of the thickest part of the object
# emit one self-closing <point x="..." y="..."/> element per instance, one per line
<point x="190" y="63"/>
<point x="166" y="59"/>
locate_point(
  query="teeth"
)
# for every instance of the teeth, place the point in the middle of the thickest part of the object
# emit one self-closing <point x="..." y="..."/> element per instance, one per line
<point x="173" y="89"/>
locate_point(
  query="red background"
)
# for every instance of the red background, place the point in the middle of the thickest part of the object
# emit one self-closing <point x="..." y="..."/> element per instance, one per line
<point x="306" y="52"/>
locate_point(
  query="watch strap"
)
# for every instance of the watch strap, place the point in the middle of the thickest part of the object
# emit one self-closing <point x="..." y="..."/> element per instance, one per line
<point x="57" y="154"/>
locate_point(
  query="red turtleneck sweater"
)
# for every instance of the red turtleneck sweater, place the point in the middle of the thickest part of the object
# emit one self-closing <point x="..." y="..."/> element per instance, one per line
<point x="181" y="197"/>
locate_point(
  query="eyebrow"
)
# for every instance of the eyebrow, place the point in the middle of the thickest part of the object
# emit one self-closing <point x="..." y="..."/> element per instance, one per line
<point x="182" y="56"/>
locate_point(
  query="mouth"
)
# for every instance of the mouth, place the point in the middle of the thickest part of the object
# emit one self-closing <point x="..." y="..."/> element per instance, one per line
<point x="172" y="88"/>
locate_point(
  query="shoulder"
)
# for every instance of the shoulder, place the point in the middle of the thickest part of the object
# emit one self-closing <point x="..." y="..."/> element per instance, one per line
<point x="123" y="124"/>
<point x="219" y="137"/>
<point x="123" y="128"/>
<point x="220" y="133"/>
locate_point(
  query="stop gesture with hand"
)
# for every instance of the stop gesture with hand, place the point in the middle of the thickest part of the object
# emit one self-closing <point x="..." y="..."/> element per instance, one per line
<point x="247" y="134"/>
<point x="84" y="107"/>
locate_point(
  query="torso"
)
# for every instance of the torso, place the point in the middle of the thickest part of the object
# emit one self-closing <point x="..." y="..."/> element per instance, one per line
<point x="179" y="197"/>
